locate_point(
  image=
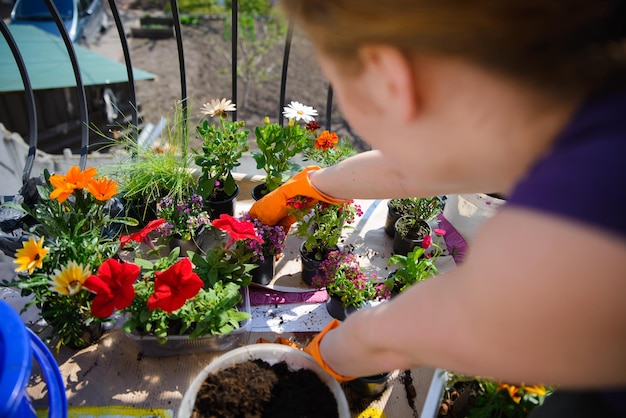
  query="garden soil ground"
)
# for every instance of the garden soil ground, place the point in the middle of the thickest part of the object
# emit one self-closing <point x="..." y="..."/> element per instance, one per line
<point x="207" y="70"/>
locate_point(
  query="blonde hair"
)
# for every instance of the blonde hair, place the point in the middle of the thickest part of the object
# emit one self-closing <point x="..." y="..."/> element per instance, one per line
<point x="560" y="45"/>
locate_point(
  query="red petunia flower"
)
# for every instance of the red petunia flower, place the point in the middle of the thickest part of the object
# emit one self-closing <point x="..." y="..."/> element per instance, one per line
<point x="142" y="236"/>
<point x="427" y="241"/>
<point x="236" y="229"/>
<point x="439" y="232"/>
<point x="113" y="287"/>
<point x="174" y="286"/>
<point x="300" y="202"/>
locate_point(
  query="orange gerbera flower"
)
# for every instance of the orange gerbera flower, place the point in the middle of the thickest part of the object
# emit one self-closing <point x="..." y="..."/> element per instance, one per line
<point x="326" y="140"/>
<point x="102" y="188"/>
<point x="62" y="190"/>
<point x="64" y="185"/>
<point x="80" y="179"/>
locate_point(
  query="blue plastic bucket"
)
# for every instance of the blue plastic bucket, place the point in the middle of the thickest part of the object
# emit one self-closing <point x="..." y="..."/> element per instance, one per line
<point x="18" y="345"/>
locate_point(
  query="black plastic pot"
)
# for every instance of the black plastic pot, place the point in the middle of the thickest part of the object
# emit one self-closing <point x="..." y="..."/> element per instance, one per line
<point x="264" y="271"/>
<point x="392" y="217"/>
<point x="405" y="244"/>
<point x="259" y="191"/>
<point x="370" y="386"/>
<point x="335" y="308"/>
<point x="310" y="264"/>
<point x="223" y="204"/>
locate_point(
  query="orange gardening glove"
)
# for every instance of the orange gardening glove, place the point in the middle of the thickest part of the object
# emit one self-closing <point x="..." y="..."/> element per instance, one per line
<point x="272" y="209"/>
<point x="314" y="350"/>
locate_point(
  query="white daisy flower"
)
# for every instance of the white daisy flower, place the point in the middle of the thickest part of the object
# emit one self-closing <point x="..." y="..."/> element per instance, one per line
<point x="217" y="107"/>
<point x="297" y="111"/>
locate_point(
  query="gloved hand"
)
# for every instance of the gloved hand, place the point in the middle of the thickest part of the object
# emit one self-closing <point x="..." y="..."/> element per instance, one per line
<point x="314" y="350"/>
<point x="272" y="209"/>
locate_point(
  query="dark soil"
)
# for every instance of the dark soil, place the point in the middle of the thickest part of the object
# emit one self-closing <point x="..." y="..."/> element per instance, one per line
<point x="416" y="231"/>
<point x="411" y="394"/>
<point x="255" y="389"/>
<point x="459" y="400"/>
<point x="207" y="69"/>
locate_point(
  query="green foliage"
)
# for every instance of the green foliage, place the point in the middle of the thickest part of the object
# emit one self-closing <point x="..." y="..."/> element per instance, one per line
<point x="224" y="265"/>
<point x="341" y="275"/>
<point x="425" y="208"/>
<point x="322" y="226"/>
<point x="412" y="268"/>
<point x="198" y="7"/>
<point x="257" y="7"/>
<point x="81" y="229"/>
<point x="331" y="156"/>
<point x="411" y="226"/>
<point x="494" y="399"/>
<point x="277" y="148"/>
<point x="222" y="148"/>
<point x="189" y="20"/>
<point x="146" y="175"/>
<point x="260" y="32"/>
<point x="212" y="311"/>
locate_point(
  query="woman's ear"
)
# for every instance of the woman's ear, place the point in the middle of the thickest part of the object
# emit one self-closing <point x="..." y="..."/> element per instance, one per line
<point x="392" y="80"/>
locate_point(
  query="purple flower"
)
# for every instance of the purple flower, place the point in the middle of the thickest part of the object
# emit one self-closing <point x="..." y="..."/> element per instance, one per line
<point x="273" y="240"/>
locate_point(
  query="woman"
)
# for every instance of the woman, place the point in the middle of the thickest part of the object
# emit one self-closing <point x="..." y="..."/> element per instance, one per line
<point x="521" y="97"/>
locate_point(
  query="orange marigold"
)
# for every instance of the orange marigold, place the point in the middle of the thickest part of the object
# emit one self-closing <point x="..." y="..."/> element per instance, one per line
<point x="326" y="140"/>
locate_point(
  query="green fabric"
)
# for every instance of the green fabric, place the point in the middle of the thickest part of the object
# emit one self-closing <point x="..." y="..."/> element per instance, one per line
<point x="49" y="66"/>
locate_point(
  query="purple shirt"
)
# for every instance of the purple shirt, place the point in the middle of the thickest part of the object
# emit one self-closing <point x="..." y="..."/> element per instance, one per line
<point x="582" y="177"/>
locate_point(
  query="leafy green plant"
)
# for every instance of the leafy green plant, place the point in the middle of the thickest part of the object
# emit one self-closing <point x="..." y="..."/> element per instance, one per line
<point x="488" y="398"/>
<point x="228" y="262"/>
<point x="278" y="145"/>
<point x="328" y="149"/>
<point x="341" y="275"/>
<point x="411" y="268"/>
<point x="174" y="296"/>
<point x="322" y="225"/>
<point x="412" y="227"/>
<point x="147" y="174"/>
<point x="73" y="234"/>
<point x="425" y="208"/>
<point x="416" y="266"/>
<point x="222" y="147"/>
<point x="211" y="311"/>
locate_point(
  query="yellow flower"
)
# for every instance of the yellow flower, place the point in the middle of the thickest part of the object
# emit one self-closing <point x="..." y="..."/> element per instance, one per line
<point x="513" y="391"/>
<point x="70" y="279"/>
<point x="218" y="107"/>
<point x="30" y="256"/>
<point x="538" y="390"/>
<point x="102" y="188"/>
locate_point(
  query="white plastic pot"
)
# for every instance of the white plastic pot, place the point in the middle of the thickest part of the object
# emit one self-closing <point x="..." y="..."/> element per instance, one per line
<point x="272" y="354"/>
<point x="467" y="212"/>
